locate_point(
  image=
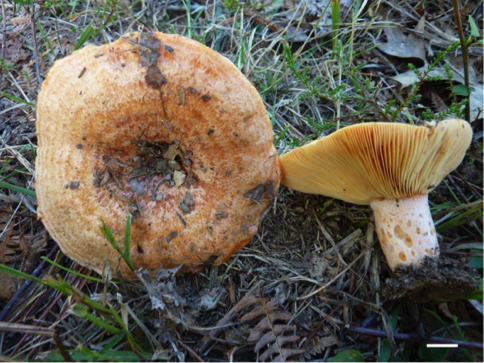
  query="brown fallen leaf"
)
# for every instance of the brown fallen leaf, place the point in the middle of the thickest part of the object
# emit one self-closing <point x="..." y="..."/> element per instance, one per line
<point x="8" y="286"/>
<point x="405" y="46"/>
<point x="408" y="78"/>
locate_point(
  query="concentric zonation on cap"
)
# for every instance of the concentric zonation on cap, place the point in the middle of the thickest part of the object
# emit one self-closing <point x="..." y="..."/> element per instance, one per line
<point x="97" y="111"/>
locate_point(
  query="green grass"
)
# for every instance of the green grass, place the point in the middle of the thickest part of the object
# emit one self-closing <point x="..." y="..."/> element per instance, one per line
<point x="104" y="316"/>
<point x="335" y="77"/>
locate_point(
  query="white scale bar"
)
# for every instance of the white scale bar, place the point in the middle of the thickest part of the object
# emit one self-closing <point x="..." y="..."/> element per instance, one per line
<point x="442" y="345"/>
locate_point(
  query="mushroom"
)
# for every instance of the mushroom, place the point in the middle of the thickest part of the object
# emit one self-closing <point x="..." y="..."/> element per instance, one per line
<point x="392" y="168"/>
<point x="160" y="127"/>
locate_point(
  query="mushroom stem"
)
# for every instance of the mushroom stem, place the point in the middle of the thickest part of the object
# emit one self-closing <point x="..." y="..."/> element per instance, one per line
<point x="406" y="230"/>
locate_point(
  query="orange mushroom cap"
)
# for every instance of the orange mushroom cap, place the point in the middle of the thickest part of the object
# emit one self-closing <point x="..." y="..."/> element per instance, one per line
<point x="392" y="167"/>
<point x="163" y="128"/>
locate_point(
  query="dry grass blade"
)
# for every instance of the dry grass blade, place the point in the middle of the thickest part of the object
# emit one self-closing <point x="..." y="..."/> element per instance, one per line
<point x="37" y="330"/>
<point x="4" y="34"/>
<point x="27" y="329"/>
<point x="340" y="274"/>
<point x="314" y="259"/>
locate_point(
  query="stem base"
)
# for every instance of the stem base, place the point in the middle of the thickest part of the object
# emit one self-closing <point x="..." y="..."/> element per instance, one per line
<point x="406" y="230"/>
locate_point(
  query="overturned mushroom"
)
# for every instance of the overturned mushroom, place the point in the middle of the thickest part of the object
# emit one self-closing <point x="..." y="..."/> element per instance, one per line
<point x="391" y="167"/>
<point x="122" y="134"/>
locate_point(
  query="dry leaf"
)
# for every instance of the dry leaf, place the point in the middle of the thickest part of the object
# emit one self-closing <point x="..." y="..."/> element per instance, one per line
<point x="8" y="286"/>
<point x="311" y="11"/>
<point x="408" y="78"/>
<point x="14" y="52"/>
<point x="400" y="45"/>
<point x="445" y="309"/>
<point x="477" y="305"/>
<point x="318" y="267"/>
<point x="437" y="102"/>
<point x="269" y="335"/>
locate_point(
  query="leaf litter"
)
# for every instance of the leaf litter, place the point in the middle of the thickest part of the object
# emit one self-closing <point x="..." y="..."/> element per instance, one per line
<point x="408" y="78"/>
<point x="291" y="257"/>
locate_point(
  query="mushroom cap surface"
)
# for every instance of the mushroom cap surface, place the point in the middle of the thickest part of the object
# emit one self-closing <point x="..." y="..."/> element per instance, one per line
<point x="376" y="160"/>
<point x="174" y="135"/>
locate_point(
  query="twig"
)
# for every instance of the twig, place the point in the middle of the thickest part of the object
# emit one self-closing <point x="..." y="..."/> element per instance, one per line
<point x="469" y="185"/>
<point x="32" y="354"/>
<point x="338" y="275"/>
<point x="315" y="331"/>
<point x="465" y="57"/>
<point x="36" y="51"/>
<point x="416" y="338"/>
<point x="227" y="318"/>
<point x="145" y="28"/>
<point x="330" y="239"/>
<point x="371" y="98"/>
<point x="38" y="330"/>
<point x="64" y="352"/>
<point x="2" y="210"/>
<point x="48" y="310"/>
<point x="190" y="350"/>
<point x="4" y="43"/>
<point x="21" y="293"/>
<point x="464" y="254"/>
<point x="461" y="193"/>
<point x="26" y="329"/>
<point x="5" y="241"/>
<point x="261" y="19"/>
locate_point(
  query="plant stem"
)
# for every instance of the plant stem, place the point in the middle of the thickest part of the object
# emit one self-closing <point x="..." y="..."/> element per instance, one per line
<point x="465" y="57"/>
<point x="416" y="338"/>
<point x="62" y="348"/>
<point x="22" y="291"/>
<point x="36" y="50"/>
<point x="4" y="44"/>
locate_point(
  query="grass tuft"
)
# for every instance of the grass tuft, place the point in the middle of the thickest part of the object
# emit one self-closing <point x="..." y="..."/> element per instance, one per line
<point x="318" y="66"/>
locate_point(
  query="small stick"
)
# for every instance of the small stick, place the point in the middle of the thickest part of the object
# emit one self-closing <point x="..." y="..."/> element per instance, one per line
<point x="21" y="293"/>
<point x="19" y="214"/>
<point x="46" y="311"/>
<point x="461" y="193"/>
<point x="416" y="338"/>
<point x="261" y="19"/>
<point x="465" y="56"/>
<point x="38" y="330"/>
<point x="338" y="275"/>
<point x="63" y="350"/>
<point x="471" y="186"/>
<point x="36" y="51"/>
<point x="190" y="350"/>
<point x="4" y="43"/>
<point x="228" y="317"/>
<point x="5" y="241"/>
